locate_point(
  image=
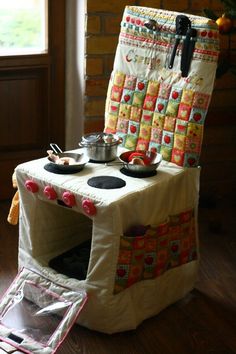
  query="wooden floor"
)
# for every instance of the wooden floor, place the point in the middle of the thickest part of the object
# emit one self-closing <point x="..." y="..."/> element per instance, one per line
<point x="204" y="322"/>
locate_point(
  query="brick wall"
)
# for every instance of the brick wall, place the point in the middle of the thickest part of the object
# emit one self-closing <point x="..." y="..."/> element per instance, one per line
<point x="218" y="154"/>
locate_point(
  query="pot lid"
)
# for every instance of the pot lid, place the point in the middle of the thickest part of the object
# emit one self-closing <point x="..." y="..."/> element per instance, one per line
<point x="93" y="137"/>
<point x="100" y="138"/>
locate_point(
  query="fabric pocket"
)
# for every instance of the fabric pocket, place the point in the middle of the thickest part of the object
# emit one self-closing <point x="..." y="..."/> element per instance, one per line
<point x="130" y="262"/>
<point x="159" y="248"/>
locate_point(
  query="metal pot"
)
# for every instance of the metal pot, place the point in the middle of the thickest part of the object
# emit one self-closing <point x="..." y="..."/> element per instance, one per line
<point x="100" y="147"/>
<point x="78" y="165"/>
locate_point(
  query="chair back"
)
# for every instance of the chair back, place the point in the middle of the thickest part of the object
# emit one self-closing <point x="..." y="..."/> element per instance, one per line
<point x="162" y="81"/>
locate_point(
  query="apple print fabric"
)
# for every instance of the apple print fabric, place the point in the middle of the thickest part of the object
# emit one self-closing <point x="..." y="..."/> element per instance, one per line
<point x="150" y="106"/>
<point x="153" y="116"/>
<point x="158" y="249"/>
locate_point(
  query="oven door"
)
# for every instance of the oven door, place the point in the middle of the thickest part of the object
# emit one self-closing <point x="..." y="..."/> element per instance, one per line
<point x="36" y="314"/>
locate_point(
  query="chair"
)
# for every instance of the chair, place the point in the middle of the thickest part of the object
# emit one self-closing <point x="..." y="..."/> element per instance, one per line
<point x="144" y="251"/>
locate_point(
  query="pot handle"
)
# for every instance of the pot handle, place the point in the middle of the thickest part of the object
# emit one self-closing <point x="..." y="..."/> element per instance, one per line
<point x="82" y="144"/>
<point x="114" y="163"/>
<point x="56" y="148"/>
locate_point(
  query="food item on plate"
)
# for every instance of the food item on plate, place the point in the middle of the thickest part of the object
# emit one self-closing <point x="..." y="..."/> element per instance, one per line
<point x="139" y="158"/>
<point x="137" y="161"/>
<point x="65" y="160"/>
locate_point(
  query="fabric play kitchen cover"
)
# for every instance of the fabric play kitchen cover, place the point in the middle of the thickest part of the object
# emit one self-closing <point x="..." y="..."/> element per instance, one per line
<point x="162" y="81"/>
<point x="36" y="315"/>
<point x="157" y="99"/>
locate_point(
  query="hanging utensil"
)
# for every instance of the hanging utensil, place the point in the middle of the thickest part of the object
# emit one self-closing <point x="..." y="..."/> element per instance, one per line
<point x="182" y="25"/>
<point x="187" y="51"/>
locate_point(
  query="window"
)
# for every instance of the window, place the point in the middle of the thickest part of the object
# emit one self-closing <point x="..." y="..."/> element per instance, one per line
<point x="23" y="27"/>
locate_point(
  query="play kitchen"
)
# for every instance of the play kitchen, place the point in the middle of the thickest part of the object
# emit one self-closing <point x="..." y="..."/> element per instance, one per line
<point x="90" y="238"/>
<point x="71" y="187"/>
<point x="108" y="234"/>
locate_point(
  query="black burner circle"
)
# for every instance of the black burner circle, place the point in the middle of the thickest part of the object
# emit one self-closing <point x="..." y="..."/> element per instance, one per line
<point x="51" y="168"/>
<point x="106" y="182"/>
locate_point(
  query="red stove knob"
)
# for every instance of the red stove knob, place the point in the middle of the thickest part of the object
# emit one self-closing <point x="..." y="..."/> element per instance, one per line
<point x="31" y="186"/>
<point x="69" y="199"/>
<point x="89" y="207"/>
<point x="50" y="193"/>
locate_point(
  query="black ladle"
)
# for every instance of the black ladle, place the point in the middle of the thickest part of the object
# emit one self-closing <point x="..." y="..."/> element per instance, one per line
<point x="182" y="25"/>
<point x="187" y="51"/>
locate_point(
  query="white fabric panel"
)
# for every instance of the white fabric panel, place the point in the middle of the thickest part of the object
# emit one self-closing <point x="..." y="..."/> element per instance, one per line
<point x="47" y="229"/>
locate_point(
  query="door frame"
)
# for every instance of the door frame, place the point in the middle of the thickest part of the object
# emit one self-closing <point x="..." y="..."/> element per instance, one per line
<point x="49" y="71"/>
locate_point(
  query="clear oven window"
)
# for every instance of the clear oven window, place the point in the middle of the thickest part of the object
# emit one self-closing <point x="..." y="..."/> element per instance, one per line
<point x="34" y="312"/>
